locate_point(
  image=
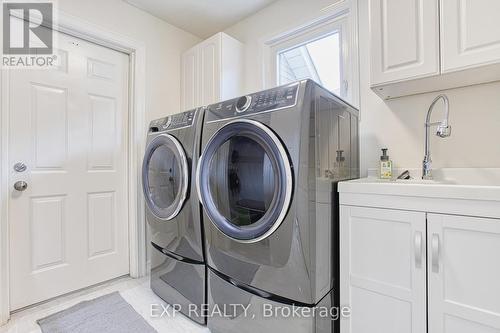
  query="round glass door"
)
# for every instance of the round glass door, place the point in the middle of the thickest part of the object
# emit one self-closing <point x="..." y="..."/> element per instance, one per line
<point x="165" y="176"/>
<point x="245" y="181"/>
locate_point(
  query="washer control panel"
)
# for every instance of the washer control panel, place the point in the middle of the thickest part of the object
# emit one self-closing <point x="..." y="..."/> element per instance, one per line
<point x="265" y="101"/>
<point x="184" y="119"/>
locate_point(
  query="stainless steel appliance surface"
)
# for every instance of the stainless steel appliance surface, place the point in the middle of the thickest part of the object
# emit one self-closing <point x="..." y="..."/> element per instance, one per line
<point x="267" y="181"/>
<point x="178" y="268"/>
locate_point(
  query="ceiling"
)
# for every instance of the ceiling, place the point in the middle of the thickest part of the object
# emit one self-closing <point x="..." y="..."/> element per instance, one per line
<point x="202" y="18"/>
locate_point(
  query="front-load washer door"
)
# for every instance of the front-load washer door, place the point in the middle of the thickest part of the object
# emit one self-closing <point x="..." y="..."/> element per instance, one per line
<point x="165" y="176"/>
<point x="245" y="180"/>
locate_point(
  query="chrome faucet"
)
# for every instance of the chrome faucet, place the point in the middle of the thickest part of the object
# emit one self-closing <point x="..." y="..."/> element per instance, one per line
<point x="443" y="131"/>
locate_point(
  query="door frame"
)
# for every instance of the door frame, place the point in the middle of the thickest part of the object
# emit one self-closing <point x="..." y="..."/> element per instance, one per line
<point x="136" y="51"/>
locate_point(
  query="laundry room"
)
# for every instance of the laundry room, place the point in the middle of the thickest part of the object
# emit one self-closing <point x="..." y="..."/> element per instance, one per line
<point x="220" y="166"/>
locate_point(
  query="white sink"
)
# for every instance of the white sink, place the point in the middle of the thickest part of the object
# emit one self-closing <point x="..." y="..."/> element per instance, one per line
<point x="425" y="181"/>
<point x="446" y="176"/>
<point x="460" y="183"/>
<point x="404" y="181"/>
<point x="469" y="176"/>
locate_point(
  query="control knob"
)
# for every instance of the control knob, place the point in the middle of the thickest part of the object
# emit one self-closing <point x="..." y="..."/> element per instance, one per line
<point x="243" y="103"/>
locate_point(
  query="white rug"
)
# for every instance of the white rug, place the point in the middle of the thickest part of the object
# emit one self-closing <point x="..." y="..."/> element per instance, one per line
<point x="106" y="314"/>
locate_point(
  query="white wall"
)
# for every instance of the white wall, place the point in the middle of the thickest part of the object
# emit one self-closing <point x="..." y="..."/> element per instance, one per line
<point x="164" y="46"/>
<point x="397" y="124"/>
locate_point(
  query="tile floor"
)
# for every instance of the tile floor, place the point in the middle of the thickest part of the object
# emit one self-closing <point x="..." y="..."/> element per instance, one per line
<point x="134" y="291"/>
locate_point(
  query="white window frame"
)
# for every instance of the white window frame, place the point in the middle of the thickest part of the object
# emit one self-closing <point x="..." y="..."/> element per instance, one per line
<point x="337" y="26"/>
<point x="340" y="17"/>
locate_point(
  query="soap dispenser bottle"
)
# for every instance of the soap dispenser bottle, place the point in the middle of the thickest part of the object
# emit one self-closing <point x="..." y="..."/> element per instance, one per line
<point x="385" y="165"/>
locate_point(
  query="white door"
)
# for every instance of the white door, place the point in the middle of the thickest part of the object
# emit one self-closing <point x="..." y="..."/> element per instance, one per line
<point x="404" y="39"/>
<point x="383" y="270"/>
<point x="69" y="228"/>
<point x="470" y="36"/>
<point x="464" y="274"/>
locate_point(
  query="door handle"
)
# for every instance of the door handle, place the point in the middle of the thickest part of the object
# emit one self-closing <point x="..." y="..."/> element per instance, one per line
<point x="20" y="185"/>
<point x="418" y="249"/>
<point x="435" y="253"/>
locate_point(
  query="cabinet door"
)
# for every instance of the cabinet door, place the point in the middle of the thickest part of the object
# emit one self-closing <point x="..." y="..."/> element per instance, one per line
<point x="470" y="33"/>
<point x="189" y="91"/>
<point x="231" y="82"/>
<point x="404" y="37"/>
<point x="383" y="270"/>
<point x="464" y="274"/>
<point x="210" y="70"/>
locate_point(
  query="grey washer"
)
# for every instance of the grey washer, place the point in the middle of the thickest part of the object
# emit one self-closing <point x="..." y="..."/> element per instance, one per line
<point x="178" y="271"/>
<point x="267" y="179"/>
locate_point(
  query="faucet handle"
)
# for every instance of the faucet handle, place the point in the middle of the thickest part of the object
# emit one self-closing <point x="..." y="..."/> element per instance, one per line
<point x="443" y="131"/>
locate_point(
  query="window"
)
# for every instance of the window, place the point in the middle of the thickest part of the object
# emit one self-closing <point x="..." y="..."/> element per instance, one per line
<point x="319" y="60"/>
<point x="324" y="51"/>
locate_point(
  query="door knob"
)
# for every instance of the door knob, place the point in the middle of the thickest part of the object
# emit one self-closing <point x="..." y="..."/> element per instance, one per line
<point x="20" y="185"/>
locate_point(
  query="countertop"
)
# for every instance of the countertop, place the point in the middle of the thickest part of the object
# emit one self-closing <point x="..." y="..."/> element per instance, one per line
<point x="457" y="191"/>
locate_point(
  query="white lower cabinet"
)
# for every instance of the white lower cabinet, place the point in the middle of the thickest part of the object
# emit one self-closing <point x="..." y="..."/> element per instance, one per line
<point x="409" y="271"/>
<point x="464" y="274"/>
<point x="383" y="270"/>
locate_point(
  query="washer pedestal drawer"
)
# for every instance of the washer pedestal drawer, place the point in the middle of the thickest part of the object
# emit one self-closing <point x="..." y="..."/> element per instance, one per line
<point x="232" y="309"/>
<point x="179" y="283"/>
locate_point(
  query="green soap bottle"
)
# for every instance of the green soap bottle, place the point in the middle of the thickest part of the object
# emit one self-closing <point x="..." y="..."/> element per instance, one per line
<point x="385" y="165"/>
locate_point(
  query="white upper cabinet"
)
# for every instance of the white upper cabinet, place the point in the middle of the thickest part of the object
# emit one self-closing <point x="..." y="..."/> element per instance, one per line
<point x="211" y="71"/>
<point x="419" y="46"/>
<point x="189" y="89"/>
<point x="404" y="39"/>
<point x="470" y="33"/>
